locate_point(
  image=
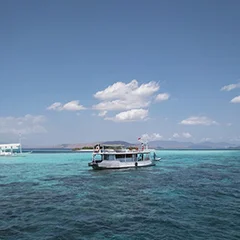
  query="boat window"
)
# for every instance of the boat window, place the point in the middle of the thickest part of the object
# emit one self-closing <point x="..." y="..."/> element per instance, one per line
<point x="146" y="156"/>
<point x="128" y="155"/>
<point x="120" y="156"/>
<point x="109" y="157"/>
<point x="140" y="157"/>
<point x="97" y="157"/>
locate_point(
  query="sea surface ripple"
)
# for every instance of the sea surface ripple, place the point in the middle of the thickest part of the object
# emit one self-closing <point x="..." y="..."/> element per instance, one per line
<point x="187" y="195"/>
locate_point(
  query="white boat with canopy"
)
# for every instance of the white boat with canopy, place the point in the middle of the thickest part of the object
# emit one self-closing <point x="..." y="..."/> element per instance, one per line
<point x="9" y="149"/>
<point x="116" y="157"/>
<point x="12" y="150"/>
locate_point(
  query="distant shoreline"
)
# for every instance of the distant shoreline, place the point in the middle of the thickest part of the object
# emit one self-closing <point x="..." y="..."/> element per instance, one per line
<point x="83" y="150"/>
<point x="157" y="149"/>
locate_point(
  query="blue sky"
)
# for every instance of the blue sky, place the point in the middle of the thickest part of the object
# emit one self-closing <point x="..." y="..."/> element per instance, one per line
<point x="83" y="71"/>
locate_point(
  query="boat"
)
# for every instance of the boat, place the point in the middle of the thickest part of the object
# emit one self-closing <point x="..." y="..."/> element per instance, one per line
<point x="12" y="150"/>
<point x="8" y="150"/>
<point x="117" y="157"/>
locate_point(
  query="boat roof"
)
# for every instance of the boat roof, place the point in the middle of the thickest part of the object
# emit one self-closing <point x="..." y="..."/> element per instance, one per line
<point x="112" y="152"/>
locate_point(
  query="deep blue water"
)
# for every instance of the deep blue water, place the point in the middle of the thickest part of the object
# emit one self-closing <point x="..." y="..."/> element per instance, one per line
<point x="188" y="195"/>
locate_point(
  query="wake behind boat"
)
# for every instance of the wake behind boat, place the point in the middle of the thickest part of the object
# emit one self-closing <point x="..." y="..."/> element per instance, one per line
<point x="116" y="157"/>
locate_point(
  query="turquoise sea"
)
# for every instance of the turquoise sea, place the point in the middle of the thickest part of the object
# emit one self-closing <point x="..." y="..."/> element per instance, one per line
<point x="187" y="195"/>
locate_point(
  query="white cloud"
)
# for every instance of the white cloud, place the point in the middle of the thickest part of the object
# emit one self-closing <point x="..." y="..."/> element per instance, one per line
<point x="121" y="105"/>
<point x="230" y="87"/>
<point x="146" y="89"/>
<point x="198" y="121"/>
<point x="235" y="100"/>
<point x="117" y="90"/>
<point x="150" y="137"/>
<point x="102" y="114"/>
<point x="27" y="124"/>
<point x="176" y="135"/>
<point x="186" y="135"/>
<point x="122" y="90"/>
<point x="73" y="106"/>
<point x="162" y="97"/>
<point x="55" y="106"/>
<point x="70" y="106"/>
<point x="229" y="124"/>
<point x="130" y="116"/>
<point x="122" y="96"/>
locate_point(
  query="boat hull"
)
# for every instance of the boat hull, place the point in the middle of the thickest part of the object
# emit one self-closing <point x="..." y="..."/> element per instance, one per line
<point x="9" y="154"/>
<point x="119" y="165"/>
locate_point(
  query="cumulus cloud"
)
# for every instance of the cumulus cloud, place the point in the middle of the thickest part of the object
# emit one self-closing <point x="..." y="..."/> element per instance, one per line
<point x="27" y="124"/>
<point x="176" y="135"/>
<point x="55" y="106"/>
<point x="230" y="87"/>
<point x="120" y="104"/>
<point x="235" y="100"/>
<point x="162" y="97"/>
<point x="186" y="135"/>
<point x="198" y="121"/>
<point x="70" y="106"/>
<point x="121" y="90"/>
<point x="130" y="116"/>
<point x="122" y="96"/>
<point x="150" y="137"/>
<point x="102" y="114"/>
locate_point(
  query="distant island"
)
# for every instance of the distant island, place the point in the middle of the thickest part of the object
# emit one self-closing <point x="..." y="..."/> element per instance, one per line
<point x="91" y="148"/>
<point x="157" y="144"/>
<point x="83" y="148"/>
<point x="235" y="147"/>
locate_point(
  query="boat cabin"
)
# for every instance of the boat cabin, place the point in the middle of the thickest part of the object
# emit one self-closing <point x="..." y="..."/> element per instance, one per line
<point x="118" y="153"/>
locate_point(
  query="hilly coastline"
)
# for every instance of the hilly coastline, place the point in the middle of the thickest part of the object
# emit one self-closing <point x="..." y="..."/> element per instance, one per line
<point x="159" y="144"/>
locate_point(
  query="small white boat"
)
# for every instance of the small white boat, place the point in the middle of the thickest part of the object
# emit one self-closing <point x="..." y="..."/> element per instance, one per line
<point x="12" y="150"/>
<point x="117" y="157"/>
